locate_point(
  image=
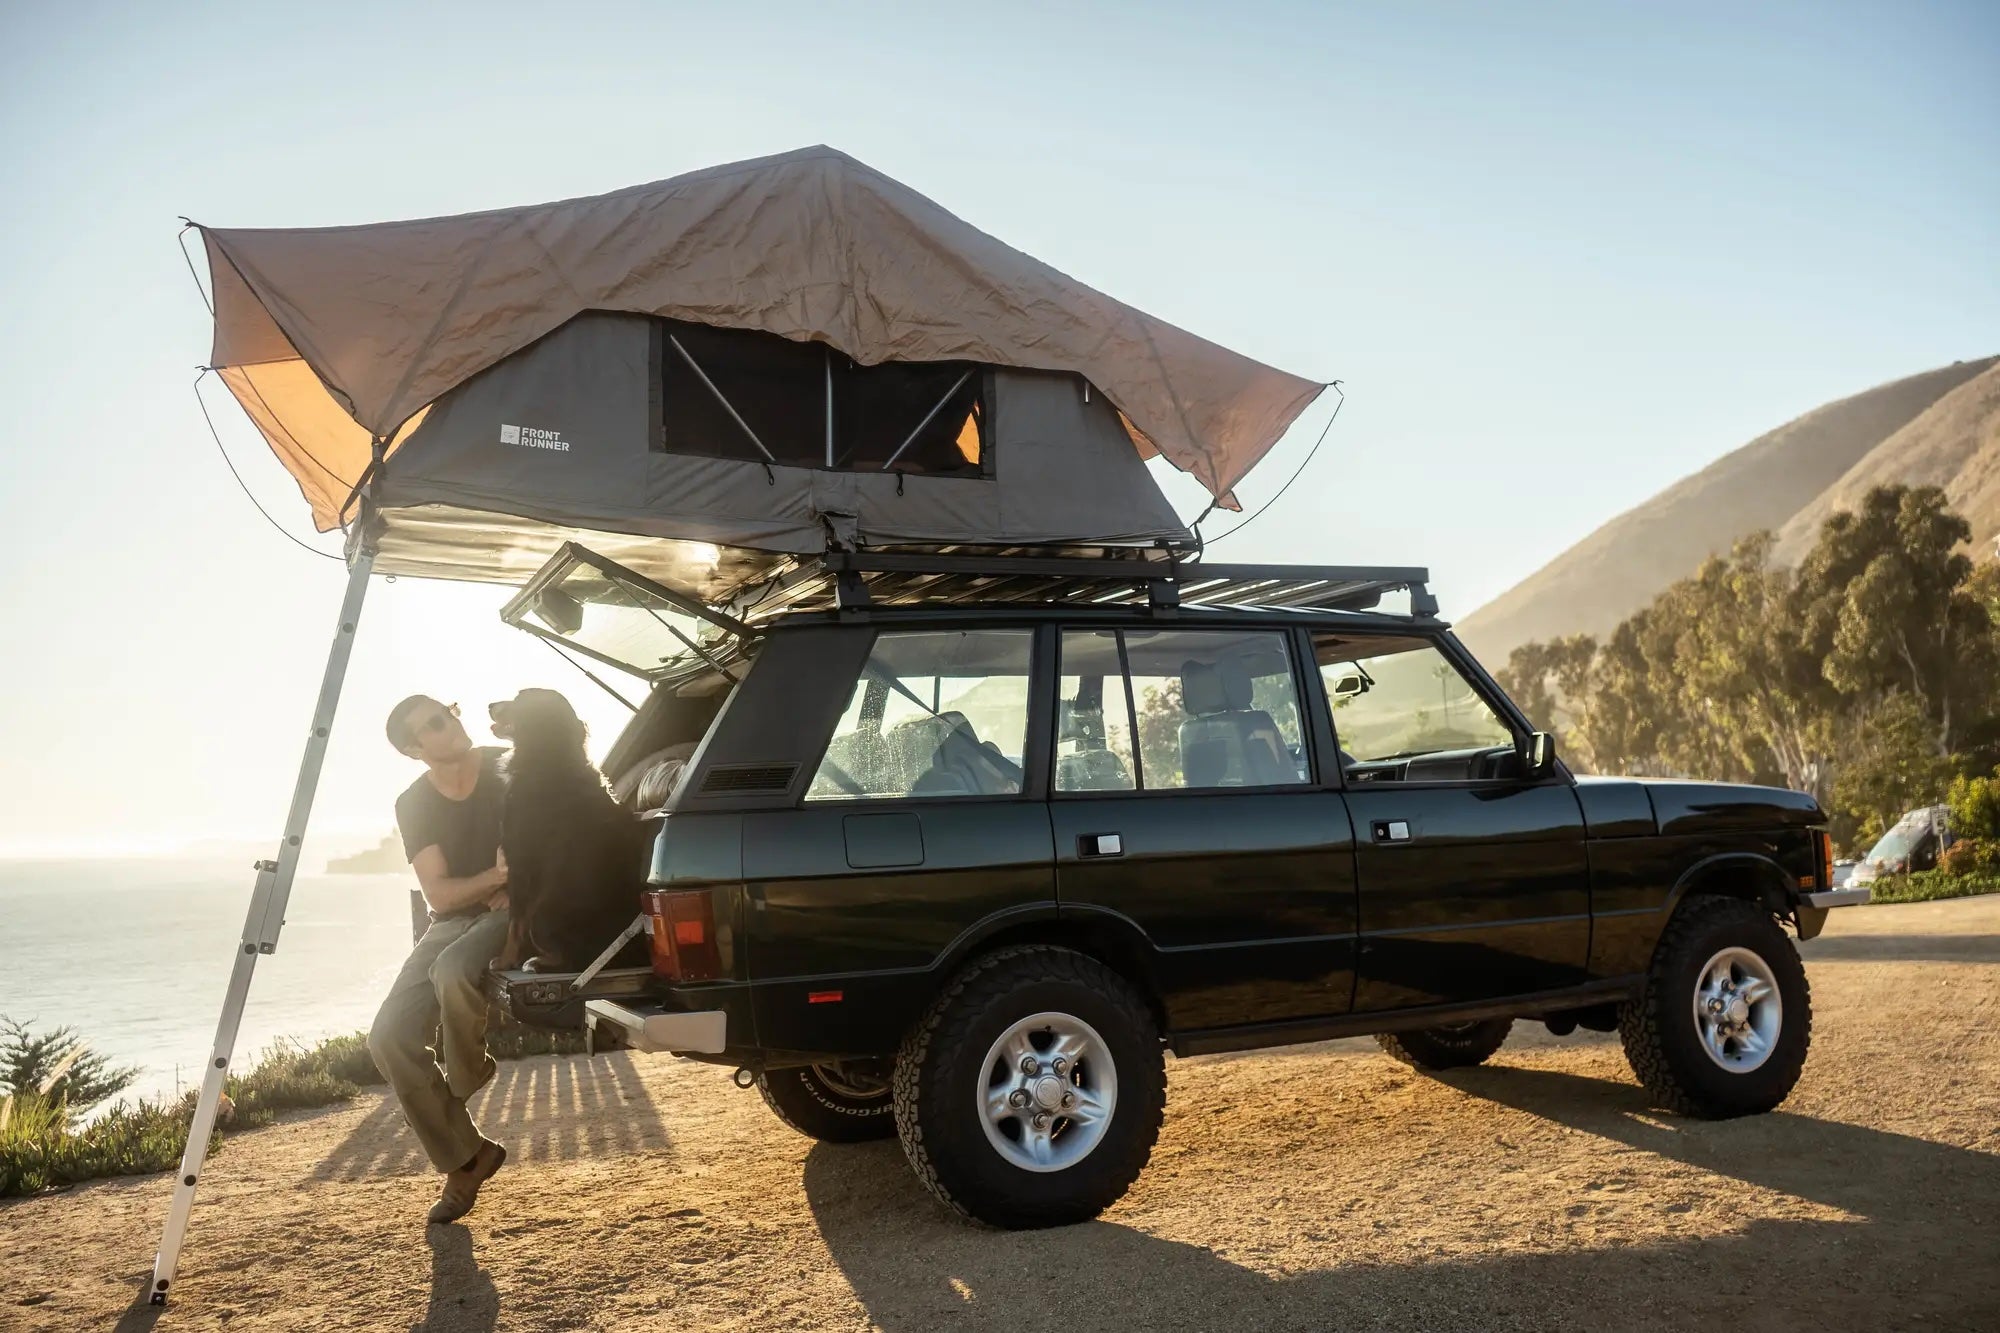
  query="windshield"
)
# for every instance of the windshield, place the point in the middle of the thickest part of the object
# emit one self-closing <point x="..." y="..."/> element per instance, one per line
<point x="1899" y="842"/>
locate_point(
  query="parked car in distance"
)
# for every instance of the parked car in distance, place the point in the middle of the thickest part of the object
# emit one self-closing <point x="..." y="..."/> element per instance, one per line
<point x="1913" y="843"/>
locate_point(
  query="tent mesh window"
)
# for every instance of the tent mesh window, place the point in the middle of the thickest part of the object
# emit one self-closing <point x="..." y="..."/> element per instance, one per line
<point x="760" y="398"/>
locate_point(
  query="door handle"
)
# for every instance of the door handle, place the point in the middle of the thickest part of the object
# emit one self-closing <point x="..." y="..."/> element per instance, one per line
<point x="1391" y="830"/>
<point x="1100" y="844"/>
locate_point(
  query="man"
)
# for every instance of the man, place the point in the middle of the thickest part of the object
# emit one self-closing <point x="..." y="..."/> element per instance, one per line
<point x="450" y="822"/>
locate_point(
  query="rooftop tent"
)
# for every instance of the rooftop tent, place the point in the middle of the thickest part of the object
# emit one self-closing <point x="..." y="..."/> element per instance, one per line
<point x="680" y="360"/>
<point x="660" y="428"/>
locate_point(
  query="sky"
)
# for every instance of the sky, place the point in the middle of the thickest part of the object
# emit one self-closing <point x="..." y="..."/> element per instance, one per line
<point x="1560" y="255"/>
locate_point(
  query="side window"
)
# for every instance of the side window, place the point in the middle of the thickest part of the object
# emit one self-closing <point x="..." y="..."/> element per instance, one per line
<point x="933" y="713"/>
<point x="1403" y="713"/>
<point x="1216" y="708"/>
<point x="1093" y="716"/>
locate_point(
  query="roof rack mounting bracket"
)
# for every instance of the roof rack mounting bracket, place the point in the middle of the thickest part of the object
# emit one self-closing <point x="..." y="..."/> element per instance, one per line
<point x="851" y="593"/>
<point x="1163" y="596"/>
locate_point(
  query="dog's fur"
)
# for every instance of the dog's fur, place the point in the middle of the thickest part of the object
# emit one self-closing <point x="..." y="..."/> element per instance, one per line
<point x="575" y="860"/>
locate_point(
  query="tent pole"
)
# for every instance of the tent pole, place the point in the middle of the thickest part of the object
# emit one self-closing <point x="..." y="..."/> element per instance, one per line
<point x="263" y="921"/>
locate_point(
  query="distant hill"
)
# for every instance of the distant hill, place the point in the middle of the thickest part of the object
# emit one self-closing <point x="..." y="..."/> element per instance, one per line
<point x="1955" y="444"/>
<point x="1940" y="427"/>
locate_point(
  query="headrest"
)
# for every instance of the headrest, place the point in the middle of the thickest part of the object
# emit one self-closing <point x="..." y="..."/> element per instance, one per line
<point x="1201" y="690"/>
<point x="1075" y="722"/>
<point x="1235" y="673"/>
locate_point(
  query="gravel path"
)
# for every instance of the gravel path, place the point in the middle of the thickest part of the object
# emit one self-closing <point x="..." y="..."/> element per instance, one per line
<point x="1326" y="1187"/>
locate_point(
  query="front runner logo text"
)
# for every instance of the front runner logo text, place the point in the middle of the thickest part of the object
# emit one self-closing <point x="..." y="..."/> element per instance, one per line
<point x="533" y="437"/>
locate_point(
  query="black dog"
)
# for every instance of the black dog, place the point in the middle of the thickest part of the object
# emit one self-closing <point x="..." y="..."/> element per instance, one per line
<point x="575" y="861"/>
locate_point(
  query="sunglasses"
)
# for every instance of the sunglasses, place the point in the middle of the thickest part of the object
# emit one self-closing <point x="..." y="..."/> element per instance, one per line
<point x="440" y="720"/>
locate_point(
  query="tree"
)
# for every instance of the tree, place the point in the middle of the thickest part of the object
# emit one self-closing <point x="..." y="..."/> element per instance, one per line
<point x="72" y="1073"/>
<point x="1712" y="679"/>
<point x="1886" y="766"/>
<point x="1868" y="677"/>
<point x="1551" y="683"/>
<point x="1884" y="595"/>
<point x="1160" y="718"/>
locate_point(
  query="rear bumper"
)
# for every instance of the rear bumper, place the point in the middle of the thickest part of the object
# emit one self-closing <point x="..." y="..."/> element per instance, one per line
<point x="649" y="1027"/>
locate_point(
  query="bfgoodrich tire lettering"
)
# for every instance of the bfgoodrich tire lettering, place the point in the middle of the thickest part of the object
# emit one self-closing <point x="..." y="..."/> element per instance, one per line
<point x="804" y="1099"/>
<point x="941" y="1080"/>
<point x="1663" y="1036"/>
<point x="1455" y="1046"/>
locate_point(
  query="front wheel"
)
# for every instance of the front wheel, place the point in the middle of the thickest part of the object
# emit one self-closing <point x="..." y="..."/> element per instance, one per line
<point x="1722" y="1026"/>
<point x="1031" y="1093"/>
<point x="836" y="1103"/>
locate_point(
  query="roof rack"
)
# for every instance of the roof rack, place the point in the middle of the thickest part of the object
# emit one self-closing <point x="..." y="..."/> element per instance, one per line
<point x="1161" y="579"/>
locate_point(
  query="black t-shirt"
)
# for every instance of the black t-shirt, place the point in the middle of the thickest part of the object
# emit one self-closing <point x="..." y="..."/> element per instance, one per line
<point x="467" y="831"/>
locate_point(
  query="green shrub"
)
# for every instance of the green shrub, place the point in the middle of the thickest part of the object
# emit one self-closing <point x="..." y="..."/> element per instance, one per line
<point x="1975" y="806"/>
<point x="41" y="1149"/>
<point x="1971" y="857"/>
<point x="1929" y="885"/>
<point x="57" y="1067"/>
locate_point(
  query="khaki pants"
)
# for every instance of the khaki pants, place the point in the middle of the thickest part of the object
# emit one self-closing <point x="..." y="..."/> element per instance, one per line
<point x="441" y="987"/>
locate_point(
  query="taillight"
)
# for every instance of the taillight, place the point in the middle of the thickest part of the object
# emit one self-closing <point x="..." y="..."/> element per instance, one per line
<point x="1825" y="859"/>
<point x="684" y="946"/>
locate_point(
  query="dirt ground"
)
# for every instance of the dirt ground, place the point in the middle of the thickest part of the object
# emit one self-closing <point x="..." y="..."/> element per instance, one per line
<point x="1325" y="1187"/>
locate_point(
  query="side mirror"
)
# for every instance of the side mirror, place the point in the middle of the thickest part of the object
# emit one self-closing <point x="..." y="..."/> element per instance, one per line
<point x="1538" y="756"/>
<point x="1347" y="687"/>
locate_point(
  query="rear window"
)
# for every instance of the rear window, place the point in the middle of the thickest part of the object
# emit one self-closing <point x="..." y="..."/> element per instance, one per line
<point x="934" y="713"/>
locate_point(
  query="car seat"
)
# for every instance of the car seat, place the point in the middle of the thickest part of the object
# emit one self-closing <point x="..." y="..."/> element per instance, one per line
<point x="1224" y="741"/>
<point x="963" y="765"/>
<point x="1267" y="760"/>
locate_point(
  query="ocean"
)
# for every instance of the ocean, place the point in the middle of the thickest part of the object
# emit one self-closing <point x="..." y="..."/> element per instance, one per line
<point x="135" y="955"/>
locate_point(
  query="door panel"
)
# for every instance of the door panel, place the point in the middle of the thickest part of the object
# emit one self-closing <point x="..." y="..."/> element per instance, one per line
<point x="1248" y="897"/>
<point x="874" y="932"/>
<point x="1489" y="894"/>
<point x="812" y="911"/>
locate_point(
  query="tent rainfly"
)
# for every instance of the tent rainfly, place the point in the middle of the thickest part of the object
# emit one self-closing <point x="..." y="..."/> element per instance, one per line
<point x="702" y="378"/>
<point x="773" y="354"/>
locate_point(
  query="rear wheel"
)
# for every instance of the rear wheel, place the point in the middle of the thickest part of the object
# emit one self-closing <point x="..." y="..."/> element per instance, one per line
<point x="1724" y="1022"/>
<point x="1448" y="1046"/>
<point x="1031" y="1093"/>
<point x="834" y="1103"/>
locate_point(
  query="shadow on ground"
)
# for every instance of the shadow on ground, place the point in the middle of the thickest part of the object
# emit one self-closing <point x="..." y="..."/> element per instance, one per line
<point x="1904" y="948"/>
<point x="1926" y="1238"/>
<point x="463" y="1298"/>
<point x="552" y="1108"/>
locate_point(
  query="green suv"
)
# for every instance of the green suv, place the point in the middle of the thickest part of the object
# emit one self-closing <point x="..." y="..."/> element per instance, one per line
<point x="957" y="846"/>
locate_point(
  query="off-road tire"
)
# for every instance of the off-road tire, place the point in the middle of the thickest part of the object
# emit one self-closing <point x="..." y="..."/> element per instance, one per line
<point x="1658" y="1027"/>
<point x="804" y="1100"/>
<point x="938" y="1074"/>
<point x="1458" y="1046"/>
